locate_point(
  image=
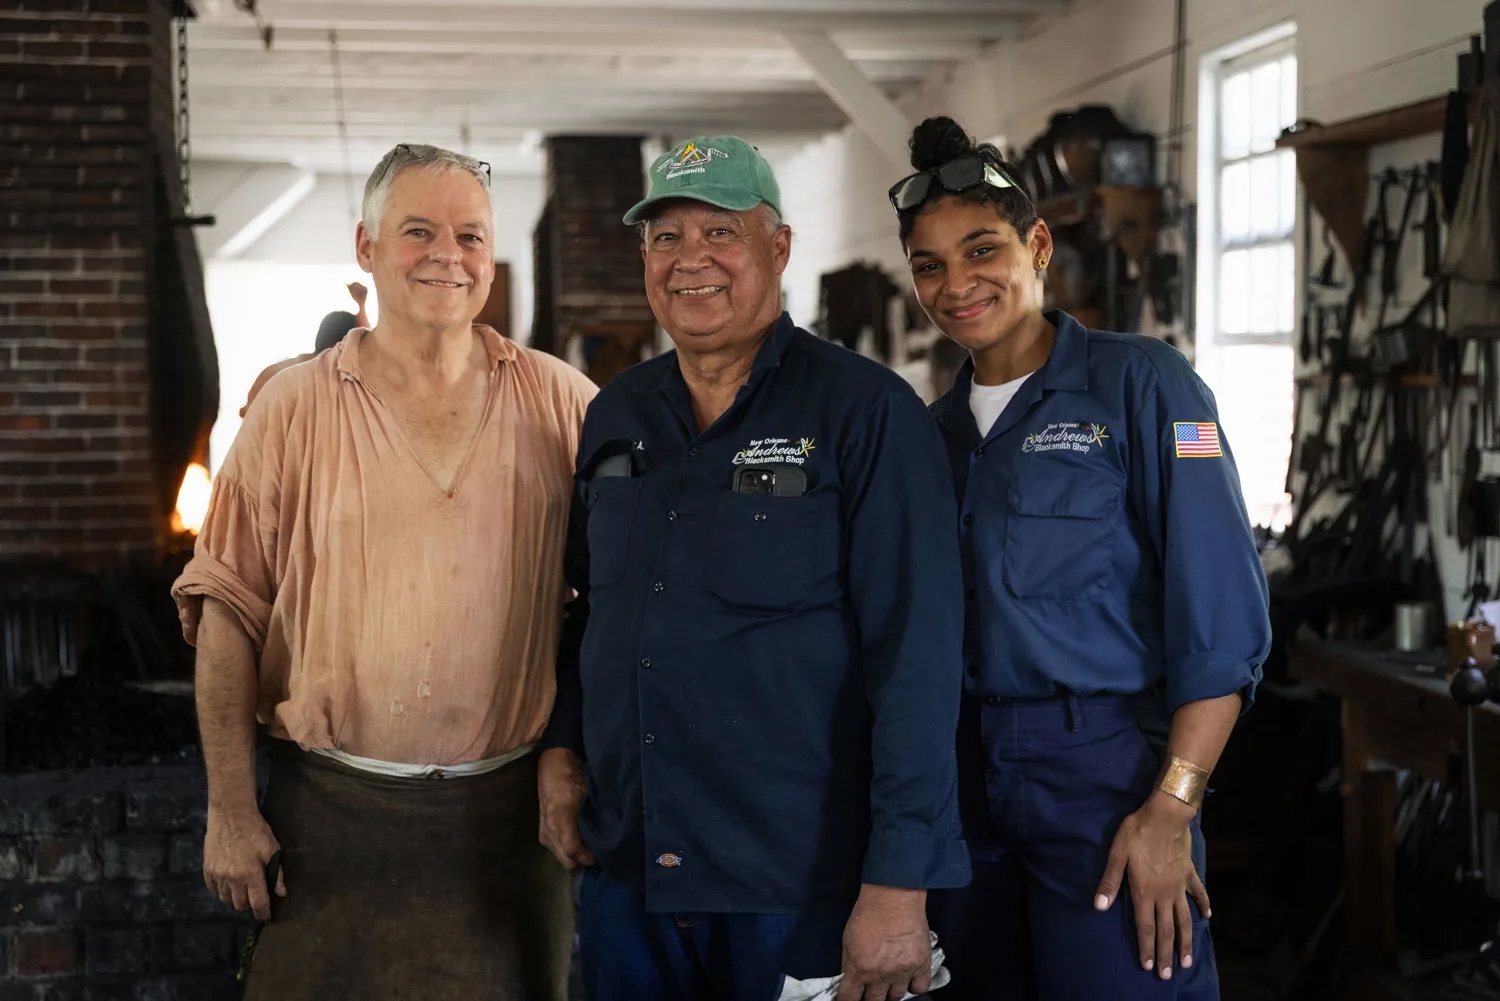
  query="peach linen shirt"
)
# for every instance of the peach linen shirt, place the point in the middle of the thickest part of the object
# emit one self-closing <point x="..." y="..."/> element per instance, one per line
<point x="393" y="619"/>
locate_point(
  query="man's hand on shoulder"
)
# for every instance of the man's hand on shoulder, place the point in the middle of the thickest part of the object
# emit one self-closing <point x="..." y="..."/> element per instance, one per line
<point x="561" y="789"/>
<point x="887" y="950"/>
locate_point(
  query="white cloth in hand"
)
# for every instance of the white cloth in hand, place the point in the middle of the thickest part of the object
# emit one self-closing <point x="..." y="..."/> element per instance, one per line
<point x="827" y="988"/>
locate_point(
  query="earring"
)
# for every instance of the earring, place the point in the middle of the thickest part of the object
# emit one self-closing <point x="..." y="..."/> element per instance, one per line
<point x="1041" y="264"/>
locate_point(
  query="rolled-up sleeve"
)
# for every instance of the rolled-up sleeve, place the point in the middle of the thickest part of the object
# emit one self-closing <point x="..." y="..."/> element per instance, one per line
<point x="906" y="592"/>
<point x="228" y="564"/>
<point x="1186" y="486"/>
<point x="235" y="554"/>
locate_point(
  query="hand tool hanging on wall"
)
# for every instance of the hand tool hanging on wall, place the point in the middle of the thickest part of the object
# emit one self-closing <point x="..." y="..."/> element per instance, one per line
<point x="1414" y="507"/>
<point x="1304" y="341"/>
<point x="1455" y="354"/>
<point x="1467" y="514"/>
<point x="1375" y="447"/>
<point x="1324" y="277"/>
<point x="1299" y="407"/>
<point x="1455" y="150"/>
<point x="1432" y="227"/>
<point x="1388" y="346"/>
<point x="1316" y="449"/>
<point x="1315" y="309"/>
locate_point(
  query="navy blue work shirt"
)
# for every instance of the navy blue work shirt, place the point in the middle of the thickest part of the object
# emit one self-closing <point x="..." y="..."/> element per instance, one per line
<point x="767" y="689"/>
<point x="1106" y="545"/>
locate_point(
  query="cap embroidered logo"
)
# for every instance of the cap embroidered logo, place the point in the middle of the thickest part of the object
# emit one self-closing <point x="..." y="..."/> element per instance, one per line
<point x="691" y="159"/>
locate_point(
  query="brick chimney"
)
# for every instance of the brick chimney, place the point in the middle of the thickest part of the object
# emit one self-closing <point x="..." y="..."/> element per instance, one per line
<point x="588" y="264"/>
<point x="108" y="376"/>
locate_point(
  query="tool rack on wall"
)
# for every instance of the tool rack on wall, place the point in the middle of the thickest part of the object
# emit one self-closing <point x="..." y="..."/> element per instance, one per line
<point x="1387" y="408"/>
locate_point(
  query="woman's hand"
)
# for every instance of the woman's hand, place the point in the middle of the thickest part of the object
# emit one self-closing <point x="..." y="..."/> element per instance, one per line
<point x="1153" y="849"/>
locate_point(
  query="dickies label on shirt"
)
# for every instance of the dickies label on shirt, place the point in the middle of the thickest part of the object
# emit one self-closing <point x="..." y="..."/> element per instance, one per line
<point x="669" y="860"/>
<point x="793" y="451"/>
<point x="1196" y="440"/>
<point x="1076" y="436"/>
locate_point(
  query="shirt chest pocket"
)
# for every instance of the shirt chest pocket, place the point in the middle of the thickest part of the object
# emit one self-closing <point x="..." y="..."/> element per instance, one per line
<point x="1059" y="537"/>
<point x="761" y="550"/>
<point x="612" y="503"/>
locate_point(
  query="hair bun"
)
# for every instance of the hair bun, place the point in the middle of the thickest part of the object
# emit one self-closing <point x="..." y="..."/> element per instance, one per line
<point x="938" y="140"/>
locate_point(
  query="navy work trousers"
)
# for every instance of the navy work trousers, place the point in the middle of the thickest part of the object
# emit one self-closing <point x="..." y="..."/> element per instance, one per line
<point x="628" y="954"/>
<point x="1043" y="786"/>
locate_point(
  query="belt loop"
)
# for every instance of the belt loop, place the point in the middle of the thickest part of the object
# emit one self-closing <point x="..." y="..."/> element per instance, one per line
<point x="1075" y="713"/>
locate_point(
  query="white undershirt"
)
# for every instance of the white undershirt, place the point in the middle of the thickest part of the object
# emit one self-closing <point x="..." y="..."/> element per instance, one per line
<point x="988" y="402"/>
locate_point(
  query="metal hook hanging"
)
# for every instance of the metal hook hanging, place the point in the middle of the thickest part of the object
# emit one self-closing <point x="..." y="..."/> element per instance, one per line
<point x="181" y="13"/>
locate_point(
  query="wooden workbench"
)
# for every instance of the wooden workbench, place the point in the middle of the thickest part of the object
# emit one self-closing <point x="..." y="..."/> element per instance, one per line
<point x="1397" y="714"/>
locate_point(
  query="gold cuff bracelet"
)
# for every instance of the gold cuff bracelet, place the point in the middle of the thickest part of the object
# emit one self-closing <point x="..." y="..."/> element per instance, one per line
<point x="1183" y="780"/>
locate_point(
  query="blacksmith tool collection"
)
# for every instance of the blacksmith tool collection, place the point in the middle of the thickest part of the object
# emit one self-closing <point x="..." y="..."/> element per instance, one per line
<point x="1396" y="445"/>
<point x="1376" y="407"/>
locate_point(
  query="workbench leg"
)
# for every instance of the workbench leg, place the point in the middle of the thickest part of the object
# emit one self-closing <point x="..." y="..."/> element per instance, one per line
<point x="1369" y="850"/>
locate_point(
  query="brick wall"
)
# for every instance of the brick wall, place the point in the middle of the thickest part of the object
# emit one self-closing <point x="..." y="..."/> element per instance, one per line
<point x="93" y="286"/>
<point x="101" y="889"/>
<point x="594" y="282"/>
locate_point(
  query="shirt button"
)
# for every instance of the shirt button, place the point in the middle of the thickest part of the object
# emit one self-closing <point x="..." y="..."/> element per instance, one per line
<point x="979" y="452"/>
<point x="760" y="516"/>
<point x="992" y="700"/>
<point x="972" y="594"/>
<point x="968" y="519"/>
<point x="646" y="663"/>
<point x="649" y="738"/>
<point x="693" y="452"/>
<point x="658" y="587"/>
<point x="671" y="515"/>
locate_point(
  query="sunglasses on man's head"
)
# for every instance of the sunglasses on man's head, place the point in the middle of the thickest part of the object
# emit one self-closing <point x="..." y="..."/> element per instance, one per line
<point x="415" y="151"/>
<point x="961" y="174"/>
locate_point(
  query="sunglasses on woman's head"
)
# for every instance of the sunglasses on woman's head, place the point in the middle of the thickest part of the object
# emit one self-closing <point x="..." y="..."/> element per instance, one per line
<point x="961" y="174"/>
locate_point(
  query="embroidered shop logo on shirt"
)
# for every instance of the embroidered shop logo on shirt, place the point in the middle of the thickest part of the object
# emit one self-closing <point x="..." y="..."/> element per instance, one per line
<point x="669" y="860"/>
<point x="1196" y="441"/>
<point x="1074" y="437"/>
<point x="785" y="450"/>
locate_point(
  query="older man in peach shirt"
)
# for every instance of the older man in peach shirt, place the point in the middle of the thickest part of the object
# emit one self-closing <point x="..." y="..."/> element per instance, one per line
<point x="379" y="581"/>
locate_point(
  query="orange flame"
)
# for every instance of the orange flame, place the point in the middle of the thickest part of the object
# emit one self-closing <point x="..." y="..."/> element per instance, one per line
<point x="192" y="500"/>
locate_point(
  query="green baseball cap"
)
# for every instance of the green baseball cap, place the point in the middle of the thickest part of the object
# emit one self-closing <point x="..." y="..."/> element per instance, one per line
<point x="720" y="170"/>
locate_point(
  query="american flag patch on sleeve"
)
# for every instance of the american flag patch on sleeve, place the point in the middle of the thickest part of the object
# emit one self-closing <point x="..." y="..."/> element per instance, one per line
<point x="1196" y="441"/>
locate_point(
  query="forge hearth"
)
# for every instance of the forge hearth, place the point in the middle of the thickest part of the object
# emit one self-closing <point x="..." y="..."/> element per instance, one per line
<point x="108" y="389"/>
<point x="101" y="888"/>
<point x="108" y="373"/>
<point x="102" y="811"/>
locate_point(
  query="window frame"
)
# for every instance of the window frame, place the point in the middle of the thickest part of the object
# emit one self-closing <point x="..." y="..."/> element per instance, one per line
<point x="1256" y="50"/>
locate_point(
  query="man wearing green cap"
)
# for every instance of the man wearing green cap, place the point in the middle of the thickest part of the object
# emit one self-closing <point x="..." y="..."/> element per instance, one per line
<point x="752" y="746"/>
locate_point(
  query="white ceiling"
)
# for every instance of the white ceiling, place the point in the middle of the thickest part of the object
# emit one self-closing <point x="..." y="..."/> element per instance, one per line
<point x="492" y="77"/>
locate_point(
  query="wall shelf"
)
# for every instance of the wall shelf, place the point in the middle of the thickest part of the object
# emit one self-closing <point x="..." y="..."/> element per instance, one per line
<point x="1390" y="125"/>
<point x="1333" y="162"/>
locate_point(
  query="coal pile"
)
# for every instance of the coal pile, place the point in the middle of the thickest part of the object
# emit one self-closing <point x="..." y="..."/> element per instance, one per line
<point x="95" y="719"/>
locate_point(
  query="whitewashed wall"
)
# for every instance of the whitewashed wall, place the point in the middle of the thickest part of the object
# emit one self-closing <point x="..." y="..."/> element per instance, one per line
<point x="1354" y="56"/>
